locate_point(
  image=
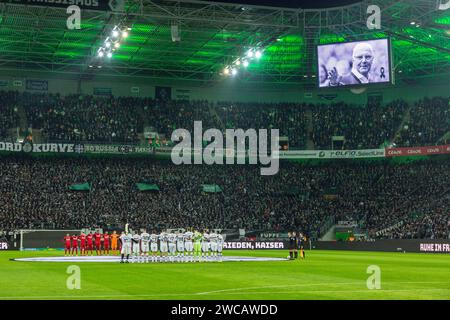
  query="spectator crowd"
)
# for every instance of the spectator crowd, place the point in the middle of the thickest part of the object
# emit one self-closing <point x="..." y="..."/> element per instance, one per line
<point x="429" y="120"/>
<point x="122" y="119"/>
<point x="8" y="113"/>
<point x="35" y="192"/>
<point x="363" y="127"/>
<point x="83" y="118"/>
<point x="408" y="200"/>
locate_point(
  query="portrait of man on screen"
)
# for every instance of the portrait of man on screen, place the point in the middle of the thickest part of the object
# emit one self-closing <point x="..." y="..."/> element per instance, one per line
<point x="353" y="63"/>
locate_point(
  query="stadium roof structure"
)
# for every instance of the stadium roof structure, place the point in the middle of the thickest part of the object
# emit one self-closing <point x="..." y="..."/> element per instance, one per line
<point x="34" y="37"/>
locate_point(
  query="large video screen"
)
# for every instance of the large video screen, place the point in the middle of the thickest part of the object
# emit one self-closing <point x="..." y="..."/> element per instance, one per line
<point x="354" y="63"/>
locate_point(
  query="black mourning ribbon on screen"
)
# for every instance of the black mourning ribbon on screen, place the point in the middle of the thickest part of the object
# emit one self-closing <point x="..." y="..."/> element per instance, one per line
<point x="382" y="73"/>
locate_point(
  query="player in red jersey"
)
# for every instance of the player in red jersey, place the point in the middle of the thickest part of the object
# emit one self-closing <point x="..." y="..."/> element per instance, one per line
<point x="97" y="238"/>
<point x="82" y="238"/>
<point x="106" y="241"/>
<point x="67" y="240"/>
<point x="90" y="238"/>
<point x="74" y="245"/>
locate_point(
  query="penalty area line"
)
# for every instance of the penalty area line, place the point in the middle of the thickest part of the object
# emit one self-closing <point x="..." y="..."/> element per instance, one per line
<point x="315" y="284"/>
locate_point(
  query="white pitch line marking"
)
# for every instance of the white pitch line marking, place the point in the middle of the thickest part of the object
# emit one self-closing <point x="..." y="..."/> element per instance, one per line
<point x="230" y="293"/>
<point x="315" y="284"/>
<point x="252" y="292"/>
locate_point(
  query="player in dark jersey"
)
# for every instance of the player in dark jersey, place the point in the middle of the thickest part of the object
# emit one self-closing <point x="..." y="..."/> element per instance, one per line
<point x="292" y="244"/>
<point x="296" y="245"/>
<point x="301" y="240"/>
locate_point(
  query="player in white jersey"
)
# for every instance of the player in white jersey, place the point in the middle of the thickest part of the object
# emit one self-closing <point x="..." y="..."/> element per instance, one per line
<point x="136" y="240"/>
<point x="189" y="246"/>
<point x="180" y="246"/>
<point x="154" y="246"/>
<point x="125" y="239"/>
<point x="172" y="238"/>
<point x="213" y="245"/>
<point x="205" y="246"/>
<point x="145" y="239"/>
<point x="219" y="246"/>
<point x="163" y="247"/>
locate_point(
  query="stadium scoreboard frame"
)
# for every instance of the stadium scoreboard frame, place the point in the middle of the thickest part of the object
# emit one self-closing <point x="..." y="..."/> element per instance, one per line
<point x="391" y="71"/>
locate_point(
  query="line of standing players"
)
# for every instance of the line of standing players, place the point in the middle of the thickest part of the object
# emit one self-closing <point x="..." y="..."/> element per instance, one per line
<point x="101" y="243"/>
<point x="190" y="246"/>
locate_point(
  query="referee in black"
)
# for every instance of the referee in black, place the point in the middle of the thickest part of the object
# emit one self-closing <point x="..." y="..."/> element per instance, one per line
<point x="300" y="245"/>
<point x="292" y="245"/>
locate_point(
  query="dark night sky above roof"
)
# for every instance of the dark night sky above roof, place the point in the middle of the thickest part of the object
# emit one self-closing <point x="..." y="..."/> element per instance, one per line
<point x="304" y="4"/>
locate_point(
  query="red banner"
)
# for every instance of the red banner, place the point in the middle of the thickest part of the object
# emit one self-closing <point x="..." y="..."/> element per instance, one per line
<point x="417" y="151"/>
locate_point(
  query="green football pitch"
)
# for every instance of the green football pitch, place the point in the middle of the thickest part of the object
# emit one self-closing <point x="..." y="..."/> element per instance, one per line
<point x="322" y="275"/>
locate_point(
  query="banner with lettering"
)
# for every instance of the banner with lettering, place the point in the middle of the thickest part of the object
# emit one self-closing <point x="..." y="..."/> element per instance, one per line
<point x="29" y="147"/>
<point x="255" y="245"/>
<point x="351" y="154"/>
<point x="116" y="149"/>
<point x="102" y="91"/>
<point x="418" y="151"/>
<point x="92" y="148"/>
<point x="102" y="5"/>
<point x="40" y="85"/>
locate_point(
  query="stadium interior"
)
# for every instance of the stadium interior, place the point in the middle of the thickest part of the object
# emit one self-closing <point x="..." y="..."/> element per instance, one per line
<point x="171" y="69"/>
<point x="115" y="89"/>
<point x="96" y="98"/>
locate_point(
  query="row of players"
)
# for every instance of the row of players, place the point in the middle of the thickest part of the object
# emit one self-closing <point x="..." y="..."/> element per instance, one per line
<point x="164" y="247"/>
<point x="101" y="242"/>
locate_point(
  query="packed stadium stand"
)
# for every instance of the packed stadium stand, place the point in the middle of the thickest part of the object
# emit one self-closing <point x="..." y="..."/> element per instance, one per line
<point x="389" y="200"/>
<point x="122" y="119"/>
<point x="428" y="121"/>
<point x="8" y="112"/>
<point x="35" y="193"/>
